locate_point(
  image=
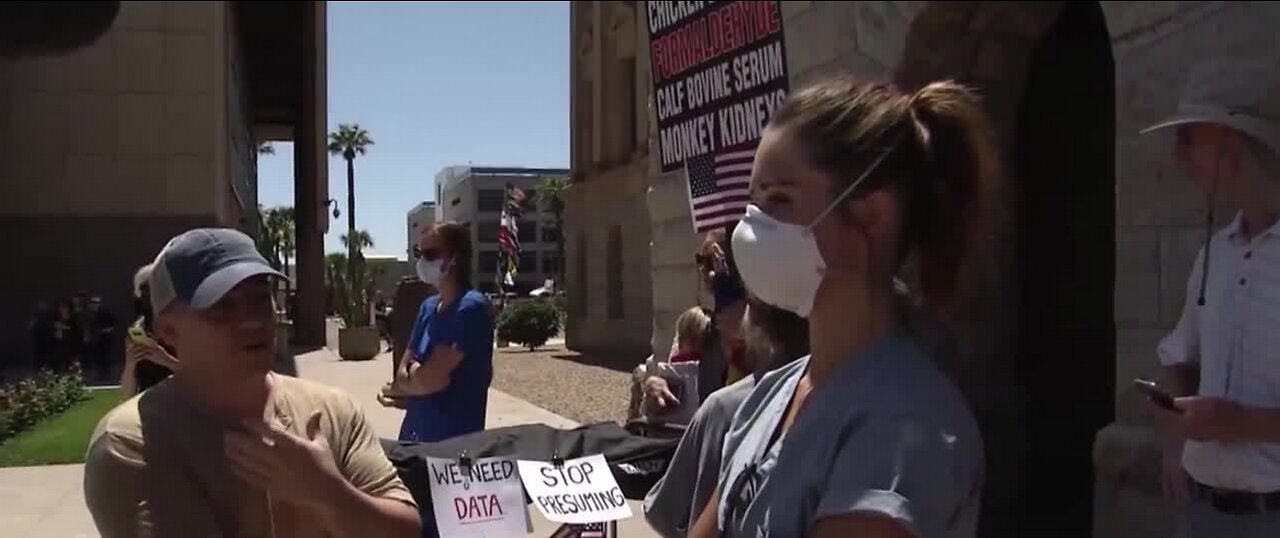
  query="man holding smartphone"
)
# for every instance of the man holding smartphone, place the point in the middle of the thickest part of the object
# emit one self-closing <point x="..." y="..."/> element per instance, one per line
<point x="1222" y="360"/>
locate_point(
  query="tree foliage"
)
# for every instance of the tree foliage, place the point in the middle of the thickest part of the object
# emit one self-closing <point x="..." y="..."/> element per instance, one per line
<point x="530" y="323"/>
<point x="551" y="192"/>
<point x="349" y="140"/>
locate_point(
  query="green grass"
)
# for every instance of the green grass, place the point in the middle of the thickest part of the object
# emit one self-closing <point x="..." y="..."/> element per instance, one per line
<point x="62" y="438"/>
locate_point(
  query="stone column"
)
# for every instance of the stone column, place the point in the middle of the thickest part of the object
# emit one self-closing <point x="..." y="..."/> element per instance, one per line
<point x="311" y="182"/>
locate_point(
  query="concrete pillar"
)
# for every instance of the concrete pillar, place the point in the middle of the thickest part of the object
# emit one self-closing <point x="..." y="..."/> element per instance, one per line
<point x="311" y="182"/>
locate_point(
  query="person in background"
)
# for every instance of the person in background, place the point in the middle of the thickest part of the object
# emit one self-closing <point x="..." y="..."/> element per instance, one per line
<point x="722" y="360"/>
<point x="67" y="338"/>
<point x="729" y="297"/>
<point x="84" y="320"/>
<point x="147" y="360"/>
<point x="1222" y="360"/>
<point x="226" y="447"/>
<point x="443" y="378"/>
<point x="866" y="436"/>
<point x="772" y="338"/>
<point x="693" y="331"/>
<point x="102" y="330"/>
<point x="380" y="316"/>
<point x="43" y="343"/>
<point x="410" y="293"/>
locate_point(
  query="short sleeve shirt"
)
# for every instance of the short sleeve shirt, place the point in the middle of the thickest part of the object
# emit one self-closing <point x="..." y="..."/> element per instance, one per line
<point x="156" y="466"/>
<point x="1235" y="339"/>
<point x="886" y="434"/>
<point x="459" y="409"/>
<point x="683" y="492"/>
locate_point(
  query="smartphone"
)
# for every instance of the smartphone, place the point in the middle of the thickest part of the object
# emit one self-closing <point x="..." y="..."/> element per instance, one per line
<point x="1156" y="394"/>
<point x="140" y="336"/>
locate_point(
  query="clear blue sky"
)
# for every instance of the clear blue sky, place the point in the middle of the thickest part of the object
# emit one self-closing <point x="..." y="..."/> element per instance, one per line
<point x="435" y="84"/>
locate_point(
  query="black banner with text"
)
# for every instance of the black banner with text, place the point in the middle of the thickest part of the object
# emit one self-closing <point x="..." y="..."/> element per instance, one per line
<point x="719" y="72"/>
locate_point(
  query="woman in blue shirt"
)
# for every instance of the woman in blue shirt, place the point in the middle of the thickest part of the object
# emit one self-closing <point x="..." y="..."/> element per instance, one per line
<point x="444" y="375"/>
<point x="864" y="437"/>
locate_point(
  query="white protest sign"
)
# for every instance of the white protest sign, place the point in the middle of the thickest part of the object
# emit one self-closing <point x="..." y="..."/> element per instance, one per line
<point x="580" y="491"/>
<point x="485" y="501"/>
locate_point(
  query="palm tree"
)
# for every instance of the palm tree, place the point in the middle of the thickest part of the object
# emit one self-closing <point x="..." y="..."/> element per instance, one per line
<point x="335" y="268"/>
<point x="277" y="242"/>
<point x="363" y="241"/>
<point x="360" y="284"/>
<point x="266" y="149"/>
<point x="551" y="194"/>
<point x="348" y="141"/>
<point x="281" y="221"/>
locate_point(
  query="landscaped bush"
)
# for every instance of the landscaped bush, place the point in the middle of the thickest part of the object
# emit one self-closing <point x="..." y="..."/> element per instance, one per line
<point x="529" y="323"/>
<point x="29" y="401"/>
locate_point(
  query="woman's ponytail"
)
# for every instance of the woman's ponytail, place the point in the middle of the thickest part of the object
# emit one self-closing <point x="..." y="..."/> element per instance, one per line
<point x="953" y="204"/>
<point x="941" y="157"/>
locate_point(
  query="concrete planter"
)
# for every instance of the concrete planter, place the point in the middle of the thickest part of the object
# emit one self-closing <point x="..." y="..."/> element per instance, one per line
<point x="358" y="343"/>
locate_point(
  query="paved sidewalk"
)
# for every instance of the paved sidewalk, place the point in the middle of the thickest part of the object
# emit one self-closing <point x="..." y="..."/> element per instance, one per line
<point x="48" y="502"/>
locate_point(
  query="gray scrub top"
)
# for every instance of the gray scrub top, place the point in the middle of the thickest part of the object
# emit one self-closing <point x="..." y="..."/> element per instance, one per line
<point x="886" y="434"/>
<point x="683" y="492"/>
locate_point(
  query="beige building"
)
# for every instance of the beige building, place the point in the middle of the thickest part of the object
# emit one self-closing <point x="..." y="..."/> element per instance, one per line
<point x="1091" y="272"/>
<point x="473" y="196"/>
<point x="421" y="217"/>
<point x="152" y="129"/>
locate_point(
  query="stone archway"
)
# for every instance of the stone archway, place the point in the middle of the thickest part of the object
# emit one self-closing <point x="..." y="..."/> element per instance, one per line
<point x="1044" y="333"/>
<point x="52" y="29"/>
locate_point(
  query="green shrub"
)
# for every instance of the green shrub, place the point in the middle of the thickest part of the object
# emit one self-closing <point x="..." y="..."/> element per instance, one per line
<point x="529" y="323"/>
<point x="45" y="394"/>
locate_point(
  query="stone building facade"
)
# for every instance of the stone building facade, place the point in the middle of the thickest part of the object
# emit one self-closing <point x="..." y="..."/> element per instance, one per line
<point x="1090" y="271"/>
<point x="109" y="150"/>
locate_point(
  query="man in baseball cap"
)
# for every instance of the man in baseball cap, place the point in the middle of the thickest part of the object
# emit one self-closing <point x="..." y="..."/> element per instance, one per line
<point x="1222" y="445"/>
<point x="225" y="447"/>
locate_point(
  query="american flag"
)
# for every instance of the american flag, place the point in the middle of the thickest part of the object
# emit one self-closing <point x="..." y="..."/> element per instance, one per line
<point x="509" y="234"/>
<point x="718" y="187"/>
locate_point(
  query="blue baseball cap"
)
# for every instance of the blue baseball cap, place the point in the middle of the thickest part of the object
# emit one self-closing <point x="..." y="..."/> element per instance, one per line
<point x="198" y="267"/>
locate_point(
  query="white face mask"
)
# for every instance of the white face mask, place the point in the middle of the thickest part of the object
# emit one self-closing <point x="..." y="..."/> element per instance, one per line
<point x="428" y="271"/>
<point x="780" y="262"/>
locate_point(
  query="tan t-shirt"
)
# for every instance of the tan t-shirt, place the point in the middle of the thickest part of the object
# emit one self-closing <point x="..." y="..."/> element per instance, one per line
<point x="156" y="466"/>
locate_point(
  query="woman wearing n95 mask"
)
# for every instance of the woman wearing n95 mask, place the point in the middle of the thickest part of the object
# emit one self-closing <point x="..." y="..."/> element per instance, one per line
<point x="865" y="437"/>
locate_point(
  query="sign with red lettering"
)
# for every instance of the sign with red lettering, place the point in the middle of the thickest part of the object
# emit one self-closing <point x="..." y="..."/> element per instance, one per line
<point x="481" y="500"/>
<point x="719" y="71"/>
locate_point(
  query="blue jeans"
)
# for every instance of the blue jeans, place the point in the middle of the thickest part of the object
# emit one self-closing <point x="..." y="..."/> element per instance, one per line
<point x="1202" y="520"/>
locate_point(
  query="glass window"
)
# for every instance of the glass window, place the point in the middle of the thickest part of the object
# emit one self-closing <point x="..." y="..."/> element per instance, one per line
<point x="488" y="261"/>
<point x="550" y="263"/>
<point x="528" y="231"/>
<point x="550" y="234"/>
<point x="613" y="273"/>
<point x="528" y="262"/>
<point x="488" y="232"/>
<point x="578" y="296"/>
<point x="489" y="200"/>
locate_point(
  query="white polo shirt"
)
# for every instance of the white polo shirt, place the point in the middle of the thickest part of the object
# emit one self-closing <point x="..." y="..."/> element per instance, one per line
<point x="1235" y="337"/>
